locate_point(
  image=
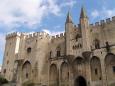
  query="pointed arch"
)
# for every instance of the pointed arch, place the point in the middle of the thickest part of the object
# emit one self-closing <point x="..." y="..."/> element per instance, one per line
<point x="78" y="65"/>
<point x="53" y="76"/>
<point x="64" y="74"/>
<point x="96" y="73"/>
<point x="26" y="71"/>
<point x="110" y="66"/>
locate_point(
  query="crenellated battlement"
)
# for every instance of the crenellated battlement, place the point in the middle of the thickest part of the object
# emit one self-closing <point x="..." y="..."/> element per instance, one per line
<point x="59" y="36"/>
<point x="37" y="34"/>
<point x="103" y="22"/>
<point x="27" y="35"/>
<point x="11" y="35"/>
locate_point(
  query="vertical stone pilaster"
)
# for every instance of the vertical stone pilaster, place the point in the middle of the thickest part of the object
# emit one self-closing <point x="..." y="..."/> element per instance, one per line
<point x="88" y="73"/>
<point x="59" y="74"/>
<point x="104" y="76"/>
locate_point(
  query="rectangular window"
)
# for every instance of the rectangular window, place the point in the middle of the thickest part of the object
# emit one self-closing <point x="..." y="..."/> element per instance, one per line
<point x="50" y="54"/>
<point x="96" y="72"/>
<point x="113" y="69"/>
<point x="58" y="53"/>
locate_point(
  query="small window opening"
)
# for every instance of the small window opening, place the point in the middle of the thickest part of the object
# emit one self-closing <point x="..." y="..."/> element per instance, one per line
<point x="26" y="75"/>
<point x="58" y="53"/>
<point x="99" y="78"/>
<point x="29" y="50"/>
<point x="7" y="61"/>
<point x="113" y="69"/>
<point x="50" y="54"/>
<point x="97" y="44"/>
<point x="4" y="71"/>
<point x="96" y="72"/>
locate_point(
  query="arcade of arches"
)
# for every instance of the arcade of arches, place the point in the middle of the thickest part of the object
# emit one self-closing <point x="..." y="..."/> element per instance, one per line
<point x="75" y="74"/>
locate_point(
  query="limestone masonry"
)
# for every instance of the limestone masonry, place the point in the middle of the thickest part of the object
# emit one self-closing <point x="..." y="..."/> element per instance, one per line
<point x="84" y="55"/>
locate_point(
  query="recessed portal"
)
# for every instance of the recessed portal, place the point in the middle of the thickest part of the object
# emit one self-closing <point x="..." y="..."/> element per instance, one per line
<point x="80" y="81"/>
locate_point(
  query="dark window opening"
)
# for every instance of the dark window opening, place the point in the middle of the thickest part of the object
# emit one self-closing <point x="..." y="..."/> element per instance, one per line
<point x="7" y="61"/>
<point x="4" y="71"/>
<point x="58" y="53"/>
<point x="97" y="44"/>
<point x="29" y="50"/>
<point x="50" y="54"/>
<point x="96" y="72"/>
<point x="80" y="45"/>
<point x="99" y="78"/>
<point x="113" y="69"/>
<point x="68" y="75"/>
<point x="26" y="75"/>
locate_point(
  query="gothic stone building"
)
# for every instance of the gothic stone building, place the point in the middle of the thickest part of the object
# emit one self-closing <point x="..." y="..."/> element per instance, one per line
<point x="84" y="55"/>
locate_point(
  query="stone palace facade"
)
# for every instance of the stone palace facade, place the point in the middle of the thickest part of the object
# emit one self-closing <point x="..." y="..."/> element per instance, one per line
<point x="84" y="55"/>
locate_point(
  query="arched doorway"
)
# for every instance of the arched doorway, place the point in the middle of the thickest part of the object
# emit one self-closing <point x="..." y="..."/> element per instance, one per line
<point x="79" y="67"/>
<point x="64" y="74"/>
<point x="80" y="81"/>
<point x="95" y="65"/>
<point x="53" y="76"/>
<point x="110" y="67"/>
<point x="26" y="71"/>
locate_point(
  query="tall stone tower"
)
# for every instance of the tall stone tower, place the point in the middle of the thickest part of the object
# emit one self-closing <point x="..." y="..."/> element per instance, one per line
<point x="68" y="34"/>
<point x="11" y="49"/>
<point x="85" y="30"/>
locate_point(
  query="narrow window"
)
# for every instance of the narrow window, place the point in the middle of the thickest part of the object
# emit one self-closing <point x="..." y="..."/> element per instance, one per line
<point x="26" y="75"/>
<point x="97" y="44"/>
<point x="28" y="50"/>
<point x="58" y="53"/>
<point x="4" y="71"/>
<point x="7" y="61"/>
<point x="113" y="69"/>
<point x="96" y="72"/>
<point x="50" y="54"/>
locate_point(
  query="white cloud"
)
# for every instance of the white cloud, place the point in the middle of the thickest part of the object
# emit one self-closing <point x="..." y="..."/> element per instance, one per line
<point x="29" y="12"/>
<point x="70" y="3"/>
<point x="103" y="13"/>
<point x="53" y="33"/>
<point x="95" y="13"/>
<point x="2" y="42"/>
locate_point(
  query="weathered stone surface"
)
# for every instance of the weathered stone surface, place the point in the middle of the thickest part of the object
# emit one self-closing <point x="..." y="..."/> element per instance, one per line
<point x="79" y="55"/>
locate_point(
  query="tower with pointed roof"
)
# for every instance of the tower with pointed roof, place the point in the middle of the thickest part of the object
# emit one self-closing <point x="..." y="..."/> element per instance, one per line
<point x="68" y="30"/>
<point x="85" y="30"/>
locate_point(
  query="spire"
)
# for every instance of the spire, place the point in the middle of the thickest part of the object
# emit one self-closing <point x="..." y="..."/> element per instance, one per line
<point x="83" y="13"/>
<point x="69" y="18"/>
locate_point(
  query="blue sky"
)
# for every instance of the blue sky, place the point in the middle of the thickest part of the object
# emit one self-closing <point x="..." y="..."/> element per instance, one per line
<point x="47" y="15"/>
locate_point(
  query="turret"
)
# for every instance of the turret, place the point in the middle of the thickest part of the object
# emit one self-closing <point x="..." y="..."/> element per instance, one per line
<point x="85" y="31"/>
<point x="68" y="33"/>
<point x="69" y="18"/>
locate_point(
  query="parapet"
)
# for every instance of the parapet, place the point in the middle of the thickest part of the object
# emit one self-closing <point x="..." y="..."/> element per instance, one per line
<point x="37" y="34"/>
<point x="59" y="36"/>
<point x="28" y="35"/>
<point x="11" y="35"/>
<point x="108" y="20"/>
<point x="113" y="18"/>
<point x="97" y="24"/>
<point x="104" y="22"/>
